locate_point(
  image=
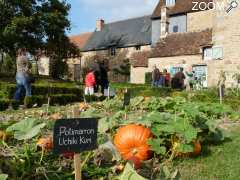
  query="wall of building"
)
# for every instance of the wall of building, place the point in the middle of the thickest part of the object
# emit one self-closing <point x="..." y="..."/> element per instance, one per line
<point x="86" y="55"/>
<point x="226" y="34"/>
<point x="138" y="75"/>
<point x="43" y="66"/>
<point x="176" y="61"/>
<point x="197" y="21"/>
<point x="179" y="21"/>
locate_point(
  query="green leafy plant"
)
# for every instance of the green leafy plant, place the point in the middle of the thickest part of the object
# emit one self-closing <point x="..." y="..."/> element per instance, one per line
<point x="26" y="129"/>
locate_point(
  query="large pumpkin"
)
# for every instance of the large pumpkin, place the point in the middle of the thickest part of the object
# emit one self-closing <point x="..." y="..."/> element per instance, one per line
<point x="131" y="141"/>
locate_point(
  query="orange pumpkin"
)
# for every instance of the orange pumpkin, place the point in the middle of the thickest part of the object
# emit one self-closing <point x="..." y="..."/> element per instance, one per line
<point x="131" y="141"/>
<point x="3" y="136"/>
<point x="83" y="106"/>
<point x="56" y="116"/>
<point x="45" y="143"/>
<point x="146" y="98"/>
<point x="197" y="148"/>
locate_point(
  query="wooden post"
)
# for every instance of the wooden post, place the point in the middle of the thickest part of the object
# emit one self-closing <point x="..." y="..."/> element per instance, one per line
<point x="108" y="92"/>
<point x="77" y="157"/>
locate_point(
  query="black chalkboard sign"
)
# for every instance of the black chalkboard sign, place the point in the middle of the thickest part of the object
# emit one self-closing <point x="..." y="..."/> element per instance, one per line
<point x="75" y="135"/>
<point x="127" y="97"/>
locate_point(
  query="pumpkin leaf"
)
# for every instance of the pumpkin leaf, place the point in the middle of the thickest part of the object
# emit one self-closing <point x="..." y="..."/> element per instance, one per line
<point x="130" y="174"/>
<point x="185" y="148"/>
<point x="109" y="146"/>
<point x="156" y="146"/>
<point x="26" y="129"/>
<point x="190" y="134"/>
<point x="103" y="125"/>
<point x="3" y="176"/>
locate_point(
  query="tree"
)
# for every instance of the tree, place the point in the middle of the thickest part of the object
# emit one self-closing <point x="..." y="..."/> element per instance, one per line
<point x="37" y="26"/>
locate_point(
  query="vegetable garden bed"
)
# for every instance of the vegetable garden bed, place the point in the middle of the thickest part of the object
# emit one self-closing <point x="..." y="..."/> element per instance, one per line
<point x="176" y="126"/>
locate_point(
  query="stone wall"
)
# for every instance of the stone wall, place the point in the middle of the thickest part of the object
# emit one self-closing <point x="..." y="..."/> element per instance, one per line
<point x="226" y="34"/>
<point x="43" y="66"/>
<point x="138" y="75"/>
<point x="197" y="21"/>
<point x="86" y="55"/>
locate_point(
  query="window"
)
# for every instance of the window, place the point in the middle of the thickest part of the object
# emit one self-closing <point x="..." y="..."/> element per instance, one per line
<point x="175" y="29"/>
<point x="217" y="53"/>
<point x="207" y="53"/>
<point x="212" y="53"/>
<point x="112" y="51"/>
<point x="138" y="48"/>
<point x="170" y="2"/>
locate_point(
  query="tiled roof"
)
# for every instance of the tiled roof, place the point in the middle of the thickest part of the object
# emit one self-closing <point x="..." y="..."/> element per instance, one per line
<point x="181" y="6"/>
<point x="81" y="39"/>
<point x="130" y="32"/>
<point x="178" y="44"/>
<point x="140" y="59"/>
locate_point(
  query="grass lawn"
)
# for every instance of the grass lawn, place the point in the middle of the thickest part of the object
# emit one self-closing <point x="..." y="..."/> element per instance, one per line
<point x="219" y="162"/>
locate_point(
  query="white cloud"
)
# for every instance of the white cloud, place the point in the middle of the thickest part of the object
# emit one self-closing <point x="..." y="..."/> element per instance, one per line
<point x="112" y="10"/>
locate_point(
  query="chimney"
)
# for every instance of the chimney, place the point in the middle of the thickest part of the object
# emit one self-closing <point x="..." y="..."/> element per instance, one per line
<point x="164" y="22"/>
<point x="99" y="24"/>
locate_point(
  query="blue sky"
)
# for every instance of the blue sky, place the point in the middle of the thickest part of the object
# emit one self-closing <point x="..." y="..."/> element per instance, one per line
<point x="84" y="13"/>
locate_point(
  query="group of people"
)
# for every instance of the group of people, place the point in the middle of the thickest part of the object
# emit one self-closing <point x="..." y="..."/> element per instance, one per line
<point x="96" y="78"/>
<point x="160" y="79"/>
<point x="163" y="79"/>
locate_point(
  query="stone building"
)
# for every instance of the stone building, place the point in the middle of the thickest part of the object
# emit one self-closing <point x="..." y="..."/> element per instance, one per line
<point x="111" y="39"/>
<point x="205" y="39"/>
<point x="75" y="64"/>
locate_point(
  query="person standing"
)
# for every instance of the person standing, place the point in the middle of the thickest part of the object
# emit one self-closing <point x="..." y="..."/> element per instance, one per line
<point x="161" y="82"/>
<point x="155" y="76"/>
<point x="90" y="83"/>
<point x="23" y="78"/>
<point x="167" y="77"/>
<point x="178" y="80"/>
<point x="104" y="83"/>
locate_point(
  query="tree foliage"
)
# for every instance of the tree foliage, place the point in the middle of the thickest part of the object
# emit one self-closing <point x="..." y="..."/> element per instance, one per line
<point x="37" y="26"/>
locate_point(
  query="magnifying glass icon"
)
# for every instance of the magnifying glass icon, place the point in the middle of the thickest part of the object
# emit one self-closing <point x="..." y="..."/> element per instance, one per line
<point x="233" y="5"/>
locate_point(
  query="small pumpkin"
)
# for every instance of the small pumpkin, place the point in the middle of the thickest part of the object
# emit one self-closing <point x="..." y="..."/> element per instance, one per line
<point x="46" y="143"/>
<point x="3" y="135"/>
<point x="68" y="155"/>
<point x="83" y="106"/>
<point x="56" y="116"/>
<point x="147" y="98"/>
<point x="131" y="142"/>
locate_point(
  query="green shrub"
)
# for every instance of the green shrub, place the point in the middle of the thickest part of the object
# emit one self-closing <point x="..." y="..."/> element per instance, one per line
<point x="63" y="99"/>
<point x="4" y="103"/>
<point x="148" y="78"/>
<point x="92" y="98"/>
<point x="15" y="104"/>
<point x="29" y="101"/>
<point x="43" y="90"/>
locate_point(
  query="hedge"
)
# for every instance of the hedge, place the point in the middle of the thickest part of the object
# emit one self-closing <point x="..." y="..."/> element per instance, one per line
<point x="59" y="99"/>
<point x="4" y="104"/>
<point x="148" y="78"/>
<point x="10" y="89"/>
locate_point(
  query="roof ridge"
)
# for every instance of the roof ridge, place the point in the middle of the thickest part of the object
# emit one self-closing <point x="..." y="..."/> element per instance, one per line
<point x="133" y="18"/>
<point x="81" y="34"/>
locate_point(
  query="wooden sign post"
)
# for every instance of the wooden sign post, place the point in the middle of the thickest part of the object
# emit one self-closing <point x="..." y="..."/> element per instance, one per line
<point x="126" y="101"/>
<point x="75" y="135"/>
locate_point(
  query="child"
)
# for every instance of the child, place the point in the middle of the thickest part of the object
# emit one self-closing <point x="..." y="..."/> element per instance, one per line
<point x="90" y="83"/>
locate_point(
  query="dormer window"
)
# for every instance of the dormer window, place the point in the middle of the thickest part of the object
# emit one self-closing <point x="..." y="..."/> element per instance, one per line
<point x="170" y="2"/>
<point x="175" y="29"/>
<point x="112" y="51"/>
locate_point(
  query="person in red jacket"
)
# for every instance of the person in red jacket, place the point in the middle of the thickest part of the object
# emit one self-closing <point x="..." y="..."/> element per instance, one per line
<point x="167" y="77"/>
<point x="90" y="83"/>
